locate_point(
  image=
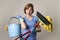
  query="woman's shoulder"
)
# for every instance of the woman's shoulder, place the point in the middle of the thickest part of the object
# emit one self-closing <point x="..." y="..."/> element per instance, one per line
<point x="35" y="17"/>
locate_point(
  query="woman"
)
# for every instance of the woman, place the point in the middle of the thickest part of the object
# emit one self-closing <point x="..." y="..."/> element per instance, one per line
<point x="29" y="23"/>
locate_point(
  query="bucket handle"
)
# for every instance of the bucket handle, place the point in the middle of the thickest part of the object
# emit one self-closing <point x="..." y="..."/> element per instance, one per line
<point x="15" y="18"/>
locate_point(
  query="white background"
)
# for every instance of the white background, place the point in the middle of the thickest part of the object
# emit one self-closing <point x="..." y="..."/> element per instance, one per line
<point x="9" y="8"/>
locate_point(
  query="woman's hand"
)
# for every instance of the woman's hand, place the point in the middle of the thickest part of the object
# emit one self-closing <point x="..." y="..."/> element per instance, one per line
<point x="23" y="25"/>
<point x="37" y="27"/>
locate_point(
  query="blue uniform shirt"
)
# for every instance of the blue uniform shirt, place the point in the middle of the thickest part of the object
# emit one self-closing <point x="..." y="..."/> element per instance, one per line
<point x="30" y="26"/>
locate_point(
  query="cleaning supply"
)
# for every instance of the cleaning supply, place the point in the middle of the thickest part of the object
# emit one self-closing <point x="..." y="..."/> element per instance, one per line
<point x="14" y="29"/>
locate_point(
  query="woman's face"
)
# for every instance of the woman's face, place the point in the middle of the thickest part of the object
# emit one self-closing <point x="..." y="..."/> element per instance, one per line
<point x="29" y="11"/>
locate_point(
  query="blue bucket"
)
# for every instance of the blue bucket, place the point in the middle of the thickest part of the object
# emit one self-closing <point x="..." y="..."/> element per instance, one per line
<point x="14" y="29"/>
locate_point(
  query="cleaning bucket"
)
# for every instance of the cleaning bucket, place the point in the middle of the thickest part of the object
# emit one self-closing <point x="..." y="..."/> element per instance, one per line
<point x="14" y="29"/>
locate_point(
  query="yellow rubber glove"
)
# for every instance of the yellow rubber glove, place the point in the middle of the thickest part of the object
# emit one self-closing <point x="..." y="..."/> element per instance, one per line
<point x="6" y="27"/>
<point x="49" y="27"/>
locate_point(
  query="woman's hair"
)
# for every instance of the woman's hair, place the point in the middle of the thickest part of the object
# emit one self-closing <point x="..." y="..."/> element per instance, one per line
<point x="27" y="6"/>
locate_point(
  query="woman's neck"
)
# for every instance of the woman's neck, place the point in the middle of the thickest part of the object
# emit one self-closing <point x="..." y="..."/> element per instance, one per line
<point x="28" y="16"/>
